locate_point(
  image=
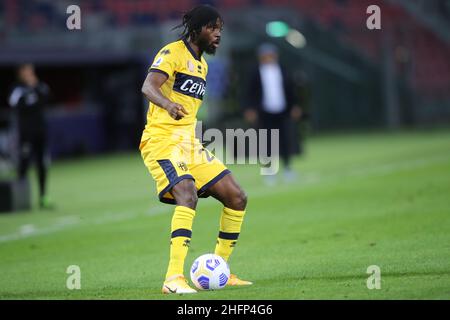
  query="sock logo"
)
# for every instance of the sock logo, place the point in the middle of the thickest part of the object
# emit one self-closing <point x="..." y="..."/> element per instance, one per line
<point x="187" y="243"/>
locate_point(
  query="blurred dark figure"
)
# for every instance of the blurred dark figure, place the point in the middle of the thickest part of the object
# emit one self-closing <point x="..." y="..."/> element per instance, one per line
<point x="271" y="102"/>
<point x="29" y="99"/>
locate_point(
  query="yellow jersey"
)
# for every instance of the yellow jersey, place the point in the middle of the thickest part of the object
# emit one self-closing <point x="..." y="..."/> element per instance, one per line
<point x="186" y="84"/>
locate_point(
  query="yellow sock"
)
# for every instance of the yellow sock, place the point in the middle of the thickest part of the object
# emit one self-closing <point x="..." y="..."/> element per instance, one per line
<point x="181" y="229"/>
<point x="230" y="227"/>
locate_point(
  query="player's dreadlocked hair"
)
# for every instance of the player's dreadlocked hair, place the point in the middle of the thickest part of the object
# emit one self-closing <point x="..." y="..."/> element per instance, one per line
<point x="196" y="19"/>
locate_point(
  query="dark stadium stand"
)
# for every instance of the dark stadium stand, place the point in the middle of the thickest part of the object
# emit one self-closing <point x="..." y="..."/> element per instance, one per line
<point x="431" y="78"/>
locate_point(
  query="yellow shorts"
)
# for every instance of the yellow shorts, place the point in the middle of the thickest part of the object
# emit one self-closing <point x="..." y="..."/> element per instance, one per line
<point x="170" y="161"/>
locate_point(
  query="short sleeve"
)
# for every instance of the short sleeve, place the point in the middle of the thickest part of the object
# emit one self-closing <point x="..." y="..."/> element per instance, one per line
<point x="165" y="62"/>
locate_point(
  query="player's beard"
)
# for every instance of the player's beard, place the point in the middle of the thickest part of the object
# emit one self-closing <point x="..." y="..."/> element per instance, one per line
<point x="206" y="46"/>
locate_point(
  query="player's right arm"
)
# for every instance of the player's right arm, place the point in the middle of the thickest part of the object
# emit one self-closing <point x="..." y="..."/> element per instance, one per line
<point x="152" y="91"/>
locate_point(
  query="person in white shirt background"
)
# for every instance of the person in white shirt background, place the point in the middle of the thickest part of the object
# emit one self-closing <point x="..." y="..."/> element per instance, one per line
<point x="271" y="102"/>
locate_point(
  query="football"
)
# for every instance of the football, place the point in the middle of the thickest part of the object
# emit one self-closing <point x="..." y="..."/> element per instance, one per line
<point x="210" y="272"/>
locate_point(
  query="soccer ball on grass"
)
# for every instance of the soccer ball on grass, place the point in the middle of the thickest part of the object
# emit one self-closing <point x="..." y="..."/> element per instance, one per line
<point x="210" y="272"/>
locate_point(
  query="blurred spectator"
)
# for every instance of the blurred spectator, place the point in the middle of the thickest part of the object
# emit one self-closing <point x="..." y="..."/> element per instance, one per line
<point x="271" y="102"/>
<point x="29" y="99"/>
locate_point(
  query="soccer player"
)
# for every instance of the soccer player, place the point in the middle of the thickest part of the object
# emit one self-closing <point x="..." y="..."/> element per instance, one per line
<point x="182" y="168"/>
<point x="29" y="99"/>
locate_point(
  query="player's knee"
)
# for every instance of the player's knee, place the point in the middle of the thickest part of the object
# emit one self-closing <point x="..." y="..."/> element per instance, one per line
<point x="243" y="199"/>
<point x="190" y="199"/>
<point x="185" y="194"/>
<point x="239" y="200"/>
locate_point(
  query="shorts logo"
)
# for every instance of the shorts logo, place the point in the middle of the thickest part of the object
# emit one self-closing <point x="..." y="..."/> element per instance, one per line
<point x="182" y="166"/>
<point x="209" y="156"/>
<point x="192" y="86"/>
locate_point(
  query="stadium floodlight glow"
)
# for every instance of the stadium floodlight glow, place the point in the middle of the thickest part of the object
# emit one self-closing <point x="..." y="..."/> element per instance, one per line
<point x="277" y="29"/>
<point x="296" y="39"/>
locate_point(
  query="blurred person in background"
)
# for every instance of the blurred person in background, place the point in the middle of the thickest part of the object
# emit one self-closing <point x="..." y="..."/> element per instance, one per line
<point x="28" y="99"/>
<point x="271" y="102"/>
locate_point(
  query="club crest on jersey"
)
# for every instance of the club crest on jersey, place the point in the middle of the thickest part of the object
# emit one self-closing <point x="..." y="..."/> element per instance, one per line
<point x="189" y="85"/>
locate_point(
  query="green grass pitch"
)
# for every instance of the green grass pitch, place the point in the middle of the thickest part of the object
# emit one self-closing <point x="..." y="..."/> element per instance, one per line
<point x="360" y="200"/>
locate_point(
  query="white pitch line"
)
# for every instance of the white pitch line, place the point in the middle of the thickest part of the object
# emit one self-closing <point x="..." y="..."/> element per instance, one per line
<point x="63" y="223"/>
<point x="29" y="230"/>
